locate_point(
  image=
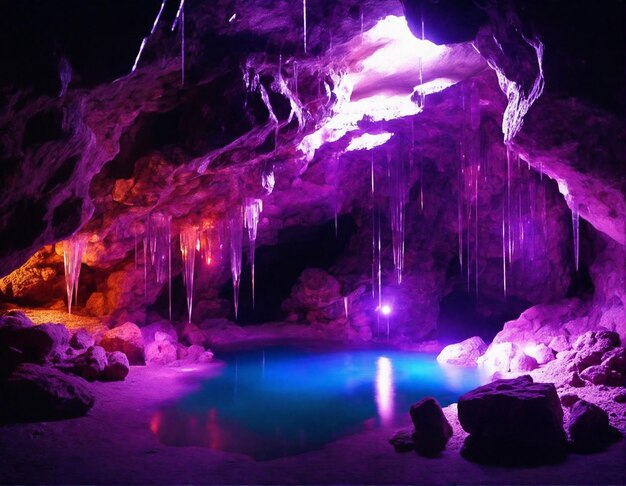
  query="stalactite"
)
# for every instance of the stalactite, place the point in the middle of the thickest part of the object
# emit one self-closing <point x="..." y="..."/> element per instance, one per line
<point x="576" y="233"/>
<point x="252" y="211"/>
<point x="398" y="195"/>
<point x="188" y="247"/>
<point x="72" y="258"/>
<point x="236" y="249"/>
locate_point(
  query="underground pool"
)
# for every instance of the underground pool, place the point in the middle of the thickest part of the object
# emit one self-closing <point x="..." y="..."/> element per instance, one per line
<point x="279" y="401"/>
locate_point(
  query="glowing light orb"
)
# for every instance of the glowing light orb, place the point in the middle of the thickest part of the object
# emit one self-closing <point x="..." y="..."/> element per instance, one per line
<point x="385" y="309"/>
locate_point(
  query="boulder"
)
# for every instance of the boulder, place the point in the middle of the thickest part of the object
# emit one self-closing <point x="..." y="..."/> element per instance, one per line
<point x="117" y="367"/>
<point x="15" y="319"/>
<point x="498" y="357"/>
<point x="160" y="353"/>
<point x="91" y="364"/>
<point x="126" y="338"/>
<point x="542" y="353"/>
<point x="163" y="327"/>
<point x="35" y="344"/>
<point x="615" y="359"/>
<point x="402" y="441"/>
<point x="589" y="428"/>
<point x="602" y="375"/>
<point x="81" y="339"/>
<point x="34" y="392"/>
<point x="569" y="399"/>
<point x="464" y="353"/>
<point x="559" y="343"/>
<point x="522" y="363"/>
<point x="432" y="429"/>
<point x="575" y="380"/>
<point x="513" y="422"/>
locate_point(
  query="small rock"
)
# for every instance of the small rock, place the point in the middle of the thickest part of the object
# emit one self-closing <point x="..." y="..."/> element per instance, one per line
<point x="575" y="380"/>
<point x="33" y="392"/>
<point x="82" y="340"/>
<point x="464" y="353"/>
<point x="621" y="398"/>
<point x="160" y="353"/>
<point x="569" y="399"/>
<point x="117" y="368"/>
<point x="128" y="339"/>
<point x="432" y="429"/>
<point x="402" y="441"/>
<point x="589" y="428"/>
<point x="91" y="364"/>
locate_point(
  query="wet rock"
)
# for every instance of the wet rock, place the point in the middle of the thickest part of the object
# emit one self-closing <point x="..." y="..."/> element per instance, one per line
<point x="128" y="339"/>
<point x="432" y="429"/>
<point x="513" y="422"/>
<point x="602" y="375"/>
<point x="34" y="392"/>
<point x="160" y="352"/>
<point x="522" y="362"/>
<point x="464" y="353"/>
<point x="91" y="364"/>
<point x="117" y="366"/>
<point x="81" y="339"/>
<point x="402" y="441"/>
<point x="589" y="428"/>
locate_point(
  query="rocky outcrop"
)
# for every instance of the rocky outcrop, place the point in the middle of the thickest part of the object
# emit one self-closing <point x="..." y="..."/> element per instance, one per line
<point x="513" y="422"/>
<point x="34" y="392"/>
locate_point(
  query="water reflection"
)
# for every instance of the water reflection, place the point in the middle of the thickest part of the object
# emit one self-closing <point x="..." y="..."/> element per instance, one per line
<point x="384" y="390"/>
<point x="278" y="401"/>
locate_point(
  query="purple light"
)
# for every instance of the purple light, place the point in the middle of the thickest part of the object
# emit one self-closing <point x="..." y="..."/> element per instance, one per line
<point x="385" y="309"/>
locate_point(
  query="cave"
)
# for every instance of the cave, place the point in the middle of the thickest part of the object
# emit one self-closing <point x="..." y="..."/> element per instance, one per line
<point x="349" y="242"/>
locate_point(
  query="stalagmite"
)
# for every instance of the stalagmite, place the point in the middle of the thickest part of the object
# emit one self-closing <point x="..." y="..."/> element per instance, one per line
<point x="72" y="258"/>
<point x="236" y="250"/>
<point x="252" y="210"/>
<point x="188" y="245"/>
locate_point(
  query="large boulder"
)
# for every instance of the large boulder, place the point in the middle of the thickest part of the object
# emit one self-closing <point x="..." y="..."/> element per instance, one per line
<point x="161" y="352"/>
<point x="117" y="366"/>
<point x="126" y="338"/>
<point x="513" y="422"/>
<point x="91" y="364"/>
<point x="542" y="353"/>
<point x="523" y="363"/>
<point x="34" y="392"/>
<point x="464" y="353"/>
<point x="432" y="429"/>
<point x="35" y="344"/>
<point x="498" y="357"/>
<point x="589" y="428"/>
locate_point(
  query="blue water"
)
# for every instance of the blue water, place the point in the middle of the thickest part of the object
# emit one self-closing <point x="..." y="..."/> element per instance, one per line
<point x="279" y="401"/>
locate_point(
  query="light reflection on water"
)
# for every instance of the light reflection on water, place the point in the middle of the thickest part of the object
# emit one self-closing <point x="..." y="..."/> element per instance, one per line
<point x="274" y="402"/>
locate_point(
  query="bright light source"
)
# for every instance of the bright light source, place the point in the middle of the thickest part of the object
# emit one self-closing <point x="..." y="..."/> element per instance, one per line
<point x="385" y="309"/>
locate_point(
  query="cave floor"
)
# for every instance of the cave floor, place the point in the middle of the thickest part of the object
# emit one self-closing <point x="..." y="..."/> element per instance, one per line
<point x="114" y="445"/>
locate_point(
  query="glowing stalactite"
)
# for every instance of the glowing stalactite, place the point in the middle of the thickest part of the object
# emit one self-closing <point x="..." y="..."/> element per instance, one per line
<point x="252" y="211"/>
<point x="384" y="390"/>
<point x="188" y="247"/>
<point x="374" y="263"/>
<point x="422" y="93"/>
<point x="304" y="23"/>
<point x="576" y="233"/>
<point x="508" y="202"/>
<point x="169" y="271"/>
<point x="159" y="237"/>
<point x="145" y="269"/>
<point x="236" y="251"/>
<point x="398" y="195"/>
<point x="145" y="39"/>
<point x="504" y="246"/>
<point x="72" y="258"/>
<point x="346" y="305"/>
